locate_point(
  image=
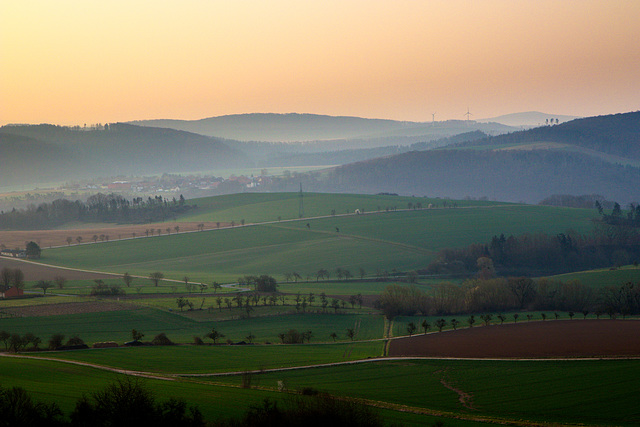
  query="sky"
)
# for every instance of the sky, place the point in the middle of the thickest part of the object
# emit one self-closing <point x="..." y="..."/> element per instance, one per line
<point x="87" y="61"/>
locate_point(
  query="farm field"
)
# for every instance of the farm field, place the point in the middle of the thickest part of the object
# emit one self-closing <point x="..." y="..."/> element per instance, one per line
<point x="603" y="277"/>
<point x="572" y="392"/>
<point x="218" y="212"/>
<point x="210" y="359"/>
<point x="50" y="381"/>
<point x="401" y="240"/>
<point x="113" y="321"/>
<point x="557" y="338"/>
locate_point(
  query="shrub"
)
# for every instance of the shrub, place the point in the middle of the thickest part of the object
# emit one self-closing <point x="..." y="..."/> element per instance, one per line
<point x="75" y="340"/>
<point x="161" y="339"/>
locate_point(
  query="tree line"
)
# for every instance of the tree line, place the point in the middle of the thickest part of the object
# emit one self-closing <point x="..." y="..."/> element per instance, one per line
<point x="509" y="294"/>
<point x="98" y="208"/>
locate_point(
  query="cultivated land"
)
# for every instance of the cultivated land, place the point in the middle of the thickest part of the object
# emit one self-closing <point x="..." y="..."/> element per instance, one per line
<point x="411" y="391"/>
<point x="402" y="240"/>
<point x="573" y="338"/>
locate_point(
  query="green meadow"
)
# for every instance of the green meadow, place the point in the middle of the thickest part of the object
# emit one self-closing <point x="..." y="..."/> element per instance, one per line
<point x="401" y="240"/>
<point x="603" y="277"/>
<point x="209" y="359"/>
<point x="265" y="207"/>
<point x="50" y="381"/>
<point x="117" y="325"/>
<point x="589" y="392"/>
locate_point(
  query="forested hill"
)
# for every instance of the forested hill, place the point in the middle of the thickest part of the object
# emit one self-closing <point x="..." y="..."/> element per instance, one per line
<point x="527" y="176"/>
<point x="48" y="152"/>
<point x="617" y="134"/>
<point x="484" y="168"/>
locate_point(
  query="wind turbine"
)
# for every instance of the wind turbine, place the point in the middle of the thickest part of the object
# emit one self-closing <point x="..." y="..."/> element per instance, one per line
<point x="468" y="113"/>
<point x="433" y="118"/>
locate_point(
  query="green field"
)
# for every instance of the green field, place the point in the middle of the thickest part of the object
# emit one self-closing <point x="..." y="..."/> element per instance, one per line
<point x="264" y="207"/>
<point x="572" y="392"/>
<point x="117" y="325"/>
<point x="603" y="277"/>
<point x="404" y="241"/>
<point x="207" y="359"/>
<point x="590" y="392"/>
<point x="64" y="384"/>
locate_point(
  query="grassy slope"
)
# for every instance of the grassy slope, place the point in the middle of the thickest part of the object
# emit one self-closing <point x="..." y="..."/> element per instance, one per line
<point x="117" y="326"/>
<point x="603" y="277"/>
<point x="65" y="384"/>
<point x="221" y="358"/>
<point x="598" y="392"/>
<point x="402" y="240"/>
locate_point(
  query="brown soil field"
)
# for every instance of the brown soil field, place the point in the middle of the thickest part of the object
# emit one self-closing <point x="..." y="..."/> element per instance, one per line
<point x="33" y="271"/>
<point x="51" y="238"/>
<point x="560" y="338"/>
<point x="67" y="308"/>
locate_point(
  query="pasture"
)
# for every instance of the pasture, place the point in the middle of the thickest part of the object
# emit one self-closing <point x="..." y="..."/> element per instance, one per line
<point x="402" y="240"/>
<point x="51" y="381"/>
<point x="111" y="321"/>
<point x="603" y="277"/>
<point x="572" y="392"/>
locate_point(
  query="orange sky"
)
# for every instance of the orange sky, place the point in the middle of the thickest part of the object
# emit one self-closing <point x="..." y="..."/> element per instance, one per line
<point x="86" y="61"/>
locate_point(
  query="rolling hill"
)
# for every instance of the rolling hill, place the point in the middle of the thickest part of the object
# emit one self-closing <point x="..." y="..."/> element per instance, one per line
<point x="47" y="152"/>
<point x="597" y="155"/>
<point x="324" y="131"/>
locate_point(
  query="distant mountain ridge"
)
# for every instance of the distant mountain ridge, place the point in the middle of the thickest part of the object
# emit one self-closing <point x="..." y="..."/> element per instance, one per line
<point x="294" y="127"/>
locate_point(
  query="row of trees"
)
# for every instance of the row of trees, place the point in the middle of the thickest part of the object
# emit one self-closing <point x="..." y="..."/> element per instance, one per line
<point x="504" y="294"/>
<point x="487" y="319"/>
<point x="16" y="342"/>
<point x="301" y="302"/>
<point x="98" y="208"/>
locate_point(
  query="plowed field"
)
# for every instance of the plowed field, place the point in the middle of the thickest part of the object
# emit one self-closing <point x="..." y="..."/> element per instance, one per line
<point x="564" y="338"/>
<point x="49" y="238"/>
<point x="33" y="271"/>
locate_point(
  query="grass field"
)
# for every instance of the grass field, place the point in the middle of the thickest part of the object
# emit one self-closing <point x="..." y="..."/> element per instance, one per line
<point x="603" y="277"/>
<point x="590" y="392"/>
<point x="401" y="240"/>
<point x="64" y="384"/>
<point x="117" y="325"/>
<point x="221" y="358"/>
<point x="264" y="207"/>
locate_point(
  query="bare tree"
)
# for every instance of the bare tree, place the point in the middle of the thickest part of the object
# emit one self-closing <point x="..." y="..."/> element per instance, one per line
<point x="155" y="277"/>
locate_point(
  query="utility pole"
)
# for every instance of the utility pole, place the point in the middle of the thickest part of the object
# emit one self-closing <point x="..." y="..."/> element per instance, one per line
<point x="301" y="203"/>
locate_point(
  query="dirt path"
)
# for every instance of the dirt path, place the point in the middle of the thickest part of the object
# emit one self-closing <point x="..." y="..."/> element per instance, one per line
<point x="465" y="399"/>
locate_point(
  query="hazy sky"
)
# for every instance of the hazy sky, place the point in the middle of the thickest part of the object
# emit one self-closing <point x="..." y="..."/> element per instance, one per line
<point x="89" y="61"/>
